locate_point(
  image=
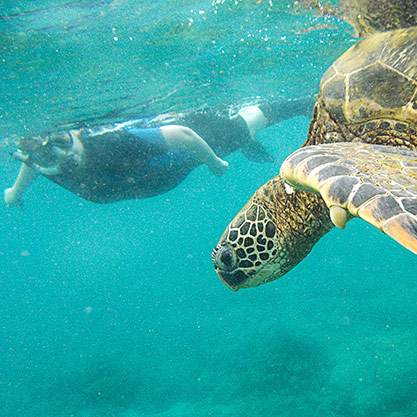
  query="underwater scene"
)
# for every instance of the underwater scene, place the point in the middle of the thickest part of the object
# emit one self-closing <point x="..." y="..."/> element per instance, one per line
<point x="116" y="310"/>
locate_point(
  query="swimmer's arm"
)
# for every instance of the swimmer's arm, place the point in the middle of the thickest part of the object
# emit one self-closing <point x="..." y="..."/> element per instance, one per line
<point x="13" y="195"/>
<point x="183" y="137"/>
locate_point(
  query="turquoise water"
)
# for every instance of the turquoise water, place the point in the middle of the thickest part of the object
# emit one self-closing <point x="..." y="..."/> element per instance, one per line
<point x="116" y="310"/>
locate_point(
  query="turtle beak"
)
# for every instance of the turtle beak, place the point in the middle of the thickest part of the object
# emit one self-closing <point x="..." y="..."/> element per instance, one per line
<point x="235" y="280"/>
<point x="225" y="282"/>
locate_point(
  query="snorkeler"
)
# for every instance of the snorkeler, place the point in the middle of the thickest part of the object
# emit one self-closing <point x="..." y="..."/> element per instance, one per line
<point x="146" y="157"/>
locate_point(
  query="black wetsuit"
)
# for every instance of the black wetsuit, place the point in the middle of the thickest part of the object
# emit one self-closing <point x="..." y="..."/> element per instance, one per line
<point x="134" y="162"/>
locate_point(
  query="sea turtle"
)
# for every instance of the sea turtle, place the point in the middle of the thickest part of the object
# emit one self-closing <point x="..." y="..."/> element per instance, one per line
<point x="359" y="159"/>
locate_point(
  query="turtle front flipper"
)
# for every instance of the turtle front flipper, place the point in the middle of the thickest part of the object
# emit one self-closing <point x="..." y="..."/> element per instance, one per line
<point x="374" y="182"/>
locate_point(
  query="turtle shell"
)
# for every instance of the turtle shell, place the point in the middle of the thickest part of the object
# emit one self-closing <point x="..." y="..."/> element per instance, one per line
<point x="375" y="79"/>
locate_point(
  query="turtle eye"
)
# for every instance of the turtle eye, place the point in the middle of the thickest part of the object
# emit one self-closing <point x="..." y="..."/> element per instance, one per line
<point x="224" y="258"/>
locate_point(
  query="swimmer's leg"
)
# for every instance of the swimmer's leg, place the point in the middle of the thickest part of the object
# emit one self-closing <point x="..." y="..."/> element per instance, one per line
<point x="183" y="137"/>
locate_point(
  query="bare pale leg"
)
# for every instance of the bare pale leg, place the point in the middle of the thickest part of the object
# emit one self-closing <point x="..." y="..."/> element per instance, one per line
<point x="185" y="138"/>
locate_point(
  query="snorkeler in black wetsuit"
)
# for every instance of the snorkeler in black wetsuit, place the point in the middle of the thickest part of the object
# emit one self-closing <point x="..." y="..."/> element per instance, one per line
<point x="146" y="157"/>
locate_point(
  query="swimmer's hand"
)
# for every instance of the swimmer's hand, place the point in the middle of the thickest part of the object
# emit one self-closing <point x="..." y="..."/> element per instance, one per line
<point x="11" y="199"/>
<point x="218" y="167"/>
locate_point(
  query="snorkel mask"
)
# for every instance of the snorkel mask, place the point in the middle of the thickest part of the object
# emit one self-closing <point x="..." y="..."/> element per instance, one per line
<point x="46" y="155"/>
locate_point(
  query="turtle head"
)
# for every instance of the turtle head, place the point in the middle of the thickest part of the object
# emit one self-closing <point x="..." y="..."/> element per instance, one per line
<point x="273" y="232"/>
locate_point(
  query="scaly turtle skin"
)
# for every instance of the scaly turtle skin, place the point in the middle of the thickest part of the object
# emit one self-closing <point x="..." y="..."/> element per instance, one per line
<point x="359" y="160"/>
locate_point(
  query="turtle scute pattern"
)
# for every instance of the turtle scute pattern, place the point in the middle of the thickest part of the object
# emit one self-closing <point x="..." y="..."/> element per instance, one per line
<point x="376" y="78"/>
<point x="374" y="182"/>
<point x="253" y="235"/>
<point x="251" y="242"/>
